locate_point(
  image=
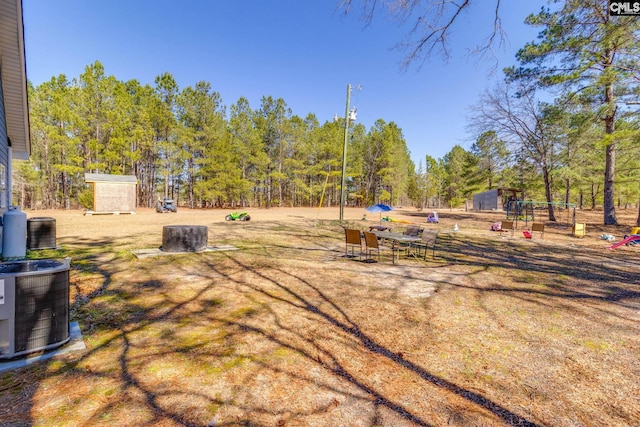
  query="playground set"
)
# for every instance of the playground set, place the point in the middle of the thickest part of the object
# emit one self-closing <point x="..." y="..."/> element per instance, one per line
<point x="525" y="210"/>
<point x="628" y="240"/>
<point x="521" y="210"/>
<point x="510" y="200"/>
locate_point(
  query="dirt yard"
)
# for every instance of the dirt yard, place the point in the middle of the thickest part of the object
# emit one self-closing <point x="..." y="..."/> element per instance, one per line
<point x="148" y="223"/>
<point x="286" y="331"/>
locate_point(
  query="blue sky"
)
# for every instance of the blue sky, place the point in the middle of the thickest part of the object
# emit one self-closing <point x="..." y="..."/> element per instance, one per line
<point x="303" y="51"/>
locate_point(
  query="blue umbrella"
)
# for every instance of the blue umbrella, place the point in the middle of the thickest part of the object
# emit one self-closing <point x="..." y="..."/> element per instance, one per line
<point x="379" y="207"/>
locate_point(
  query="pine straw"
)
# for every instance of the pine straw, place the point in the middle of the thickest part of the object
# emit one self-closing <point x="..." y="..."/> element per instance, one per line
<point x="288" y="332"/>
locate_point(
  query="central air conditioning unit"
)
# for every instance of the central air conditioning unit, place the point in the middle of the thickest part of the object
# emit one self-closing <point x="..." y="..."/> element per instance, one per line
<point x="41" y="233"/>
<point x="34" y="306"/>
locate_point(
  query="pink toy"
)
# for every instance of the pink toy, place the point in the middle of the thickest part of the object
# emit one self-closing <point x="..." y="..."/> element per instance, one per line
<point x="631" y="238"/>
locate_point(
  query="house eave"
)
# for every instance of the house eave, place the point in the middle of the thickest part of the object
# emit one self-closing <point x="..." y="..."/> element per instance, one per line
<point x="14" y="77"/>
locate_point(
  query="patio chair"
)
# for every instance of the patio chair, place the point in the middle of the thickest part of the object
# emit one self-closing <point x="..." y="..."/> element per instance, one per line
<point x="399" y="246"/>
<point x="538" y="227"/>
<point x="371" y="245"/>
<point x="508" y="226"/>
<point x="412" y="230"/>
<point x="353" y="240"/>
<point x="429" y="240"/>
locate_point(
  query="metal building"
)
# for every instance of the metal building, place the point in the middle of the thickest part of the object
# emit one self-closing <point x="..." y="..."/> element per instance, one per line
<point x="496" y="199"/>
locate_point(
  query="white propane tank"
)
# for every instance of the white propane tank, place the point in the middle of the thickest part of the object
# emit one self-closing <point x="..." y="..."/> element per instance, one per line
<point x="14" y="236"/>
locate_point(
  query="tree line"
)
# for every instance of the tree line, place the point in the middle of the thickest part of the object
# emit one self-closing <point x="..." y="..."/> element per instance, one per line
<point x="186" y="145"/>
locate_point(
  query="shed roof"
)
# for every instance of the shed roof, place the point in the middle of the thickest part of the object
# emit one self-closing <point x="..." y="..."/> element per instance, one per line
<point x="14" y="77"/>
<point x="105" y="177"/>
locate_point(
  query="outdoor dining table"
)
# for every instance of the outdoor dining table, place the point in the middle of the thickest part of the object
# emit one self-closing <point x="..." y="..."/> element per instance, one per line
<point x="396" y="239"/>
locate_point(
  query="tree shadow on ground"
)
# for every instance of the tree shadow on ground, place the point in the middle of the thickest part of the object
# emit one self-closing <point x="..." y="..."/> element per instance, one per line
<point x="367" y="344"/>
<point x="586" y="265"/>
<point x="113" y="309"/>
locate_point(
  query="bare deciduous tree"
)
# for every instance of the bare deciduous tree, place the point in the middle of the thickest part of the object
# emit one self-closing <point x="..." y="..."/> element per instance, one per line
<point x="522" y="121"/>
<point x="430" y="24"/>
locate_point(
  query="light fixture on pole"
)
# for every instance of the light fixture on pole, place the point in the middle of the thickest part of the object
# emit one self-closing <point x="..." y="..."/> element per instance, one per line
<point x="348" y="115"/>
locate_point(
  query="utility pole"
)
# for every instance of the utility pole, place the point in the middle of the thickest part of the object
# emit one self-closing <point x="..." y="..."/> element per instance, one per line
<point x="349" y="115"/>
<point x="344" y="153"/>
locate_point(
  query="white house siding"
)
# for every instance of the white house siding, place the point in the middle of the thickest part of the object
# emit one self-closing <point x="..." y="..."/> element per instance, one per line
<point x="4" y="153"/>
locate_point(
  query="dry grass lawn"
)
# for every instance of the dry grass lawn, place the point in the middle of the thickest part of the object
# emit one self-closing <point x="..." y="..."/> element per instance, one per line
<point x="497" y="330"/>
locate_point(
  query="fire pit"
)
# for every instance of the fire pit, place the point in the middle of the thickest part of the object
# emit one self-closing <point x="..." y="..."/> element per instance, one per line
<point x="184" y="238"/>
